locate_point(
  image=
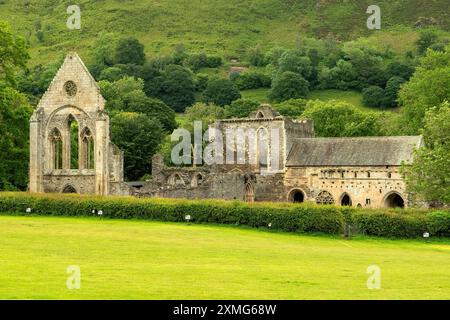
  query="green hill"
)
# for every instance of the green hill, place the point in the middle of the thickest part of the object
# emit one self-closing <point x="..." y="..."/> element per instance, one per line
<point x="226" y="27"/>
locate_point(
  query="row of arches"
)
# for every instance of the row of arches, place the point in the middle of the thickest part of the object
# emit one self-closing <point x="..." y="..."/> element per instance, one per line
<point x="177" y="180"/>
<point x="392" y="200"/>
<point x="72" y="149"/>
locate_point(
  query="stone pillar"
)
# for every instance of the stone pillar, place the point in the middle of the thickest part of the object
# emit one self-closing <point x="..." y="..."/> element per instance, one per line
<point x="36" y="147"/>
<point x="101" y="155"/>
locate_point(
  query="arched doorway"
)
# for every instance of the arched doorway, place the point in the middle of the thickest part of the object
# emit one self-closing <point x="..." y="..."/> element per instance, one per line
<point x="249" y="195"/>
<point x="296" y="196"/>
<point x="346" y="200"/>
<point x="69" y="189"/>
<point x="394" y="200"/>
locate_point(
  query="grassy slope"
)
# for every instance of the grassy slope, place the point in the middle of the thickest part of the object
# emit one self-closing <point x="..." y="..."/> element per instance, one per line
<point x="137" y="259"/>
<point x="226" y="27"/>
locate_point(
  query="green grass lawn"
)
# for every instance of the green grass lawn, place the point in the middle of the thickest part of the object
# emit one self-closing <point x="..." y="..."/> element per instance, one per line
<point x="122" y="259"/>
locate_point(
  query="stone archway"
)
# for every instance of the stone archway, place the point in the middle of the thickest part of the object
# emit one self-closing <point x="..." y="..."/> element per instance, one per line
<point x="346" y="200"/>
<point x="296" y="196"/>
<point x="69" y="189"/>
<point x="394" y="200"/>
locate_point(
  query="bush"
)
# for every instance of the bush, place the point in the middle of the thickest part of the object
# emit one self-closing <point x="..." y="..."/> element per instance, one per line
<point x="289" y="85"/>
<point x="220" y="92"/>
<point x="286" y="217"/>
<point x="252" y="80"/>
<point x="281" y="216"/>
<point x="373" y="96"/>
<point x="241" y="108"/>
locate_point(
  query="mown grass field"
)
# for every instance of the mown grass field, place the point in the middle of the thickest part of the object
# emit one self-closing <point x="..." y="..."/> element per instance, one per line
<point x="152" y="260"/>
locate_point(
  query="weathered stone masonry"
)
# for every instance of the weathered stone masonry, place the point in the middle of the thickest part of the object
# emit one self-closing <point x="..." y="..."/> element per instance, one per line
<point x="296" y="167"/>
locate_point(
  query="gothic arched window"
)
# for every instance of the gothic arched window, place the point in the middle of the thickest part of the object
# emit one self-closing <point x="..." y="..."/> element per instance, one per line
<point x="74" y="147"/>
<point x="263" y="148"/>
<point x="56" y="149"/>
<point x="87" y="149"/>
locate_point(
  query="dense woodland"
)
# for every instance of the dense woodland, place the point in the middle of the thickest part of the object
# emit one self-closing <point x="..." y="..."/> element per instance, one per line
<point x="349" y="87"/>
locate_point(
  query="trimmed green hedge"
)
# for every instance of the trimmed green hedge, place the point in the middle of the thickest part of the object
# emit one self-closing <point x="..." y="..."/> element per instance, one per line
<point x="279" y="216"/>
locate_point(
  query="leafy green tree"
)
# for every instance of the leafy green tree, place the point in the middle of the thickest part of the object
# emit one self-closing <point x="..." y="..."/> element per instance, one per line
<point x="257" y="56"/>
<point x="138" y="136"/>
<point x="175" y="87"/>
<point x="127" y="94"/>
<point x="220" y="92"/>
<point x="295" y="61"/>
<point x="111" y="74"/>
<point x="399" y="69"/>
<point x="340" y="119"/>
<point x="13" y="54"/>
<point x="427" y="88"/>
<point x="391" y="91"/>
<point x="252" y="80"/>
<point x="114" y="92"/>
<point x="241" y="108"/>
<point x="427" y="38"/>
<point x="292" y="108"/>
<point x="102" y="53"/>
<point x="14" y="147"/>
<point x="206" y="113"/>
<point x="373" y="96"/>
<point x="428" y="178"/>
<point x="288" y="85"/>
<point x="129" y="51"/>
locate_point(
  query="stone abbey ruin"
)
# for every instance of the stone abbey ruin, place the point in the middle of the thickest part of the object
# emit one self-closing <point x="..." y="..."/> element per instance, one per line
<point x="360" y="172"/>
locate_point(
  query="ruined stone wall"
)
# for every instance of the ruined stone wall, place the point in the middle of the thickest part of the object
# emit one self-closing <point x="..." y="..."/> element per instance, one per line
<point x="366" y="186"/>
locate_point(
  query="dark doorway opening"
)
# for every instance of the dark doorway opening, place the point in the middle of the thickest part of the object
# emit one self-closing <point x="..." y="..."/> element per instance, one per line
<point x="297" y="196"/>
<point x="394" y="201"/>
<point x="346" y="201"/>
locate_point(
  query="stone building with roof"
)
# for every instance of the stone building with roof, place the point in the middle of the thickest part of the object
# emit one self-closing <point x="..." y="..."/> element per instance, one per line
<point x="266" y="156"/>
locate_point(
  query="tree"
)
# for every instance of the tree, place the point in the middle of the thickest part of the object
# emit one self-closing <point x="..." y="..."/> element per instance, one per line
<point x="295" y="61"/>
<point x="220" y="92"/>
<point x="391" y="92"/>
<point x="428" y="178"/>
<point x="399" y="69"/>
<point x="129" y="51"/>
<point x="340" y="119"/>
<point x="103" y="53"/>
<point x="137" y="101"/>
<point x="292" y="108"/>
<point x="111" y="74"/>
<point x="175" y="87"/>
<point x="206" y="113"/>
<point x="138" y="136"/>
<point x="14" y="129"/>
<point x="289" y="85"/>
<point x="241" y="108"/>
<point x="373" y="96"/>
<point x="427" y="88"/>
<point x="13" y="53"/>
<point x="127" y="94"/>
<point x="426" y="39"/>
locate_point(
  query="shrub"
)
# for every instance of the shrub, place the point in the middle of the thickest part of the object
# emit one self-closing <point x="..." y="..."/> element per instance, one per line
<point x="373" y="96"/>
<point x="407" y="223"/>
<point x="289" y="85"/>
<point x="251" y="80"/>
<point x="220" y="92"/>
